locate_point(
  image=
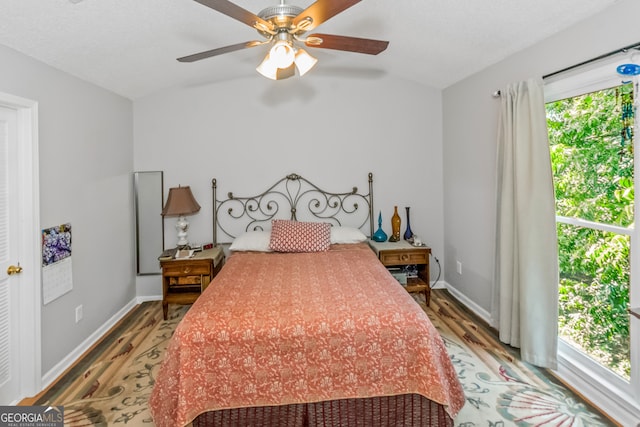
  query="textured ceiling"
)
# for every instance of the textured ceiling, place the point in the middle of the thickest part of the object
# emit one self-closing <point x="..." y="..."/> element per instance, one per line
<point x="131" y="46"/>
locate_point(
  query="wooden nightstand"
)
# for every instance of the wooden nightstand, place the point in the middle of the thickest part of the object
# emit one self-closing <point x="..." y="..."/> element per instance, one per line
<point x="398" y="254"/>
<point x="183" y="280"/>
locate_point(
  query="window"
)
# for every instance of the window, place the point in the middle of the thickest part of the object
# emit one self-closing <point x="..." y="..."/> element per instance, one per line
<point x="592" y="156"/>
<point x="590" y="117"/>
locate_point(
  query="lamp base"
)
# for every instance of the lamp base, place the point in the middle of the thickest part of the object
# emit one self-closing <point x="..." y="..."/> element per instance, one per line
<point x="182" y="226"/>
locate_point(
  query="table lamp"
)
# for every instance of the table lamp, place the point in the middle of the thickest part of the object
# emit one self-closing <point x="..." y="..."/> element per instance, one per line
<point x="181" y="202"/>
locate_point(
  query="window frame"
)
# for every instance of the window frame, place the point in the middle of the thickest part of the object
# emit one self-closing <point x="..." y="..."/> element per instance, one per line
<point x="575" y="367"/>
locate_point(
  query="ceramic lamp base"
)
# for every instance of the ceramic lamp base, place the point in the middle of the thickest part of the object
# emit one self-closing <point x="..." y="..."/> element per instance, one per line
<point x="182" y="226"/>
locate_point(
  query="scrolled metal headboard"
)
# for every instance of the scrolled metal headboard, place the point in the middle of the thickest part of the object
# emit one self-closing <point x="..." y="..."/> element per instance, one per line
<point x="292" y="197"/>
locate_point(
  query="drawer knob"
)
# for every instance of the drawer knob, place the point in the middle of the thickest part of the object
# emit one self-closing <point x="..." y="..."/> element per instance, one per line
<point x="404" y="257"/>
<point x="187" y="270"/>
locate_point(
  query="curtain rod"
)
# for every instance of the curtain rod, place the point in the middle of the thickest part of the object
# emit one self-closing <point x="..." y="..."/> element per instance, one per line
<point x="636" y="46"/>
<point x="597" y="58"/>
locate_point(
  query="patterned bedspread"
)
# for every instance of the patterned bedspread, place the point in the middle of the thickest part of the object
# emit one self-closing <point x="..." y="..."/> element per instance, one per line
<point x="285" y="328"/>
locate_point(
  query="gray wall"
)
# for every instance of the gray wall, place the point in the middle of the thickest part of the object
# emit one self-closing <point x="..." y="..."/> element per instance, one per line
<point x="85" y="155"/>
<point x="470" y="131"/>
<point x="331" y="129"/>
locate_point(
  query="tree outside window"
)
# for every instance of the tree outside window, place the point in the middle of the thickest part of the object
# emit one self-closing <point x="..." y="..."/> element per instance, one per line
<point x="591" y="144"/>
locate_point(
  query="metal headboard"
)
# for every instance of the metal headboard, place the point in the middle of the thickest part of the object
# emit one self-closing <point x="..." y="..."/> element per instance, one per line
<point x="292" y="197"/>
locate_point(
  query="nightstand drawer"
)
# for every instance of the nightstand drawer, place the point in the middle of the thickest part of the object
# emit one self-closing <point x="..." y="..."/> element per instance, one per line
<point x="175" y="268"/>
<point x="188" y="280"/>
<point x="404" y="257"/>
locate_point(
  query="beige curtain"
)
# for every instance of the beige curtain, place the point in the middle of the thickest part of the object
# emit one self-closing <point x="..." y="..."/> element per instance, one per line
<point x="525" y="298"/>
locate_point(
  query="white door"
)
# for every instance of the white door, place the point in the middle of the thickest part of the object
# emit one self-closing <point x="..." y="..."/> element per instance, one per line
<point x="20" y="359"/>
<point x="9" y="259"/>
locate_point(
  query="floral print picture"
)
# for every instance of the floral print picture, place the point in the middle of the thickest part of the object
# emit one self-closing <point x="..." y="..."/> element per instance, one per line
<point x="56" y="244"/>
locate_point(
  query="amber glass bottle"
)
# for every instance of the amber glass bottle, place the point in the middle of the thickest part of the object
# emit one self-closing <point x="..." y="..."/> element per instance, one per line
<point x="395" y="226"/>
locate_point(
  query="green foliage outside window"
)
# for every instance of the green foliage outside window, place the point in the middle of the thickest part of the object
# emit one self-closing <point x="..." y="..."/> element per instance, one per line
<point x="592" y="158"/>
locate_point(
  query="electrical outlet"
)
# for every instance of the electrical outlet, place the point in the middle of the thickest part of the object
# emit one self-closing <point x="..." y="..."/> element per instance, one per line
<point x="78" y="313"/>
<point x="459" y="267"/>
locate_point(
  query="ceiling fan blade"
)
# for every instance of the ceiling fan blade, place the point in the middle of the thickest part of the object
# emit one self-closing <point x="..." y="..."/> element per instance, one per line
<point x="219" y="51"/>
<point x="236" y="12"/>
<point x="319" y="12"/>
<point x="351" y="44"/>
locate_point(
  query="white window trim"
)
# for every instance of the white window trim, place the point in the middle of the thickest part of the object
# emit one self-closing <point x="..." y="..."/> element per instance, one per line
<point x="611" y="393"/>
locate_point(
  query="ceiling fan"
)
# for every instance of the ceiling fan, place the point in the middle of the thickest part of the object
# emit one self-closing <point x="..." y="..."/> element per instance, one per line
<point x="283" y="27"/>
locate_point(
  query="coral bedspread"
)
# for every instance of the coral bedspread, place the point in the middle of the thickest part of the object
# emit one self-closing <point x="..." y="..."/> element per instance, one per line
<point x="285" y="328"/>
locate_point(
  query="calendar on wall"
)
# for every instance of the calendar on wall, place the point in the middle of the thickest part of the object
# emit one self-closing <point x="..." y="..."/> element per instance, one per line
<point x="56" y="262"/>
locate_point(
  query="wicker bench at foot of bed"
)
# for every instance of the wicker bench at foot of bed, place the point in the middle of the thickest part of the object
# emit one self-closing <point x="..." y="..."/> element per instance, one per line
<point x="385" y="411"/>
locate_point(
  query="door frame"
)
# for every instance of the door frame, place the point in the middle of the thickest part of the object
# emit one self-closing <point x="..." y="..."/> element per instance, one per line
<point x="29" y="297"/>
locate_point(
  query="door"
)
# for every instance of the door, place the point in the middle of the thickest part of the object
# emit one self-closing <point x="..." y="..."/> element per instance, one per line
<point x="20" y="360"/>
<point x="9" y="259"/>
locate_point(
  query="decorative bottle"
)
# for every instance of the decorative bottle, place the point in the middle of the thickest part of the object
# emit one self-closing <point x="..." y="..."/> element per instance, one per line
<point x="408" y="234"/>
<point x="395" y="226"/>
<point x="379" y="235"/>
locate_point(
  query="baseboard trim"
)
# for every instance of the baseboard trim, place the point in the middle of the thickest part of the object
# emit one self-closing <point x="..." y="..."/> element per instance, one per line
<point x="61" y="367"/>
<point x="475" y="308"/>
<point x="147" y="298"/>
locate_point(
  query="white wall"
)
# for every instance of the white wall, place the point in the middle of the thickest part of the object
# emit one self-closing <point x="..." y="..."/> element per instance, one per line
<point x="85" y="144"/>
<point x="252" y="131"/>
<point x="470" y="131"/>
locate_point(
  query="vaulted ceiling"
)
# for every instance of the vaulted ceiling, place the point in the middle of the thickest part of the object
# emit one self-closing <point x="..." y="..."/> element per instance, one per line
<point x="130" y="46"/>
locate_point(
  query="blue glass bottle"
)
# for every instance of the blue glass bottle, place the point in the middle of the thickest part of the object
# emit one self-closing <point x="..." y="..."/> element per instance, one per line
<point x="408" y="234"/>
<point x="379" y="235"/>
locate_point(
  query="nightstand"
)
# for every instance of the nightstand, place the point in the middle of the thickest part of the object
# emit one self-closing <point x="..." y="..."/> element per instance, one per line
<point x="402" y="253"/>
<point x="183" y="280"/>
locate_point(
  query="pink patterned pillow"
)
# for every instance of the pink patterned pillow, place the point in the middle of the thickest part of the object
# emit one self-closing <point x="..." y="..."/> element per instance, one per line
<point x="295" y="236"/>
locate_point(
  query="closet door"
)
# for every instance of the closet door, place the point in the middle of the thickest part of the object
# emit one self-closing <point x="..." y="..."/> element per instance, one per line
<point x="10" y="277"/>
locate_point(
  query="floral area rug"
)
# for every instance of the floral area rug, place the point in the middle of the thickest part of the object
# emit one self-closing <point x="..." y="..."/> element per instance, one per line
<point x="110" y="386"/>
<point x="501" y="390"/>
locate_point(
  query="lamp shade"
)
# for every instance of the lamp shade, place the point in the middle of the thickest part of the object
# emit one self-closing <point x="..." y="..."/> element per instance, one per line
<point x="270" y="70"/>
<point x="267" y="68"/>
<point x="180" y="202"/>
<point x="304" y="61"/>
<point x="282" y="54"/>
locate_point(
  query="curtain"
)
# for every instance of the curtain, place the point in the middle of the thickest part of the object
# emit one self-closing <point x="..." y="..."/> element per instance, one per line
<point x="525" y="298"/>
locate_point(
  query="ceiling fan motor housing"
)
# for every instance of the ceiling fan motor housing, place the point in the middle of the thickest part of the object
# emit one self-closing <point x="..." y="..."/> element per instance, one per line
<point x="281" y="16"/>
<point x="282" y="10"/>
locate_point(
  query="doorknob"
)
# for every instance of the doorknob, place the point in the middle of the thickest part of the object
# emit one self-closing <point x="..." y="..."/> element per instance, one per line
<point x="13" y="269"/>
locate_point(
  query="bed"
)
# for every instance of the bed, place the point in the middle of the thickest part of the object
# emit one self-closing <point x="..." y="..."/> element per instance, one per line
<point x="303" y="326"/>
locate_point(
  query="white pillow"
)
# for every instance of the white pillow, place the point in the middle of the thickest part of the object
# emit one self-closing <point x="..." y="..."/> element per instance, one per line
<point x="252" y="241"/>
<point x="346" y="235"/>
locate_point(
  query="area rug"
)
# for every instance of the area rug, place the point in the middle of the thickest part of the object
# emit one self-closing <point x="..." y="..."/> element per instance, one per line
<point x="110" y="385"/>
<point x="500" y="389"/>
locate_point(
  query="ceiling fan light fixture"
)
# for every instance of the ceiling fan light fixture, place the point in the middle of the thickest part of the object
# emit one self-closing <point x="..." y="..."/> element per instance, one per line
<point x="268" y="68"/>
<point x="304" y="61"/>
<point x="271" y="69"/>
<point x="282" y="54"/>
